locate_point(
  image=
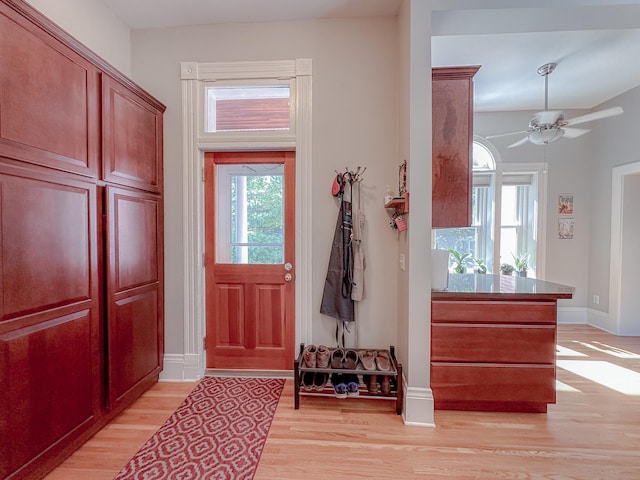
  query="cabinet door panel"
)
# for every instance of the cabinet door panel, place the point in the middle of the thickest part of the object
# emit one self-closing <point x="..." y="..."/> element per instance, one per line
<point x="48" y="101"/>
<point x="47" y="372"/>
<point x="134" y="291"/>
<point x="48" y="246"/>
<point x="133" y="341"/>
<point x="49" y="318"/>
<point x="132" y="139"/>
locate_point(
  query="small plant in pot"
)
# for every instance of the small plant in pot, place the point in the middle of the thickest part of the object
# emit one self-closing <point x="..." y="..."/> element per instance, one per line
<point x="506" y="269"/>
<point x="479" y="266"/>
<point x="460" y="265"/>
<point x="522" y="263"/>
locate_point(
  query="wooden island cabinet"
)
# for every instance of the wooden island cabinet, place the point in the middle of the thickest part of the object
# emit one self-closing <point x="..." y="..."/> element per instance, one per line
<point x="81" y="242"/>
<point x="493" y="343"/>
<point x="452" y="129"/>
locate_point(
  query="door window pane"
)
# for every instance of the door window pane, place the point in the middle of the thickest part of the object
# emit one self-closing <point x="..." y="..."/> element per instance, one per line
<point x="250" y="214"/>
<point x="248" y="108"/>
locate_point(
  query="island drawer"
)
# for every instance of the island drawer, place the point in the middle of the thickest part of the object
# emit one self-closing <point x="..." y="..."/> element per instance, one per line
<point x="492" y="383"/>
<point x="518" y="312"/>
<point x="455" y="342"/>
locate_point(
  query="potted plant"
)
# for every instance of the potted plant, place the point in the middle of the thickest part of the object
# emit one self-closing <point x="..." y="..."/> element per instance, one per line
<point x="479" y="266"/>
<point x="460" y="265"/>
<point x="522" y="263"/>
<point x="506" y="269"/>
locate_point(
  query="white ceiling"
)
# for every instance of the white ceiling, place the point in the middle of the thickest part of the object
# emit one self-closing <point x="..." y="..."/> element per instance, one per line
<point x="596" y="43"/>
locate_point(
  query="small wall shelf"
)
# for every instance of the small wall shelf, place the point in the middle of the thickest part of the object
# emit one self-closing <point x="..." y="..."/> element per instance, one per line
<point x="399" y="204"/>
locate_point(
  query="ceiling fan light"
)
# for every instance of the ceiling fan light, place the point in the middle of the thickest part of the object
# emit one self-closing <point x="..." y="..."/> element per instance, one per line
<point x="544" y="136"/>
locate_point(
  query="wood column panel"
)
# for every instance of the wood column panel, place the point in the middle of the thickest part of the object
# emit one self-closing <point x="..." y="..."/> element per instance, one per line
<point x="452" y="129"/>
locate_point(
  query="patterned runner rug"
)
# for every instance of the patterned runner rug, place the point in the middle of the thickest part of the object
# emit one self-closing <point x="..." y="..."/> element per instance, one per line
<point x="216" y="434"/>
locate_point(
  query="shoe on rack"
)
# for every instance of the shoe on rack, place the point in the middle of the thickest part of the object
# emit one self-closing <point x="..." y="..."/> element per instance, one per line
<point x="320" y="380"/>
<point x="373" y="384"/>
<point x="385" y="386"/>
<point x="309" y="356"/>
<point x="367" y="358"/>
<point x="340" y="390"/>
<point x="339" y="385"/>
<point x="307" y="380"/>
<point x="350" y="359"/>
<point x="337" y="358"/>
<point x="353" y="386"/>
<point x="322" y="356"/>
<point x="382" y="361"/>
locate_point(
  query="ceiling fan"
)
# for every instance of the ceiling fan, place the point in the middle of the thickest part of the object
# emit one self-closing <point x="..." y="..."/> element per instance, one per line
<point x="550" y="125"/>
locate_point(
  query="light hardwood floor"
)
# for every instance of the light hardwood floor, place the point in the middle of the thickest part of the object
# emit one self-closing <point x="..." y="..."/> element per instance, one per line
<point x="592" y="432"/>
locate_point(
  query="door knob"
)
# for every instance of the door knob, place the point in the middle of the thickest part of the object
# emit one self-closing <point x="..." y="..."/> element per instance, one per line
<point x="288" y="277"/>
<point x="288" y="267"/>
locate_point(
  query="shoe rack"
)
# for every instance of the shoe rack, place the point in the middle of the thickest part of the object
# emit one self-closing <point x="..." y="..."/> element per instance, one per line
<point x="372" y="383"/>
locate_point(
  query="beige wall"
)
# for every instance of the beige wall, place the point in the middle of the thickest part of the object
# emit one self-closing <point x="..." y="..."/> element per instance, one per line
<point x="93" y="24"/>
<point x="355" y="75"/>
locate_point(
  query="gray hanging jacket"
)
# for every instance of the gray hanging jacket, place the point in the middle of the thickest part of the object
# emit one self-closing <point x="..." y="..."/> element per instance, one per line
<point x="357" y="282"/>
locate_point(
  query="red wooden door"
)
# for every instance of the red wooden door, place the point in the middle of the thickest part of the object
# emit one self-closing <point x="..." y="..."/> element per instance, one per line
<point x="249" y="260"/>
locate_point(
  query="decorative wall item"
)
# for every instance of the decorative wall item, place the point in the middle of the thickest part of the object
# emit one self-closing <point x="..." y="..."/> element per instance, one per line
<point x="565" y="204"/>
<point x="565" y="228"/>
<point x="402" y="179"/>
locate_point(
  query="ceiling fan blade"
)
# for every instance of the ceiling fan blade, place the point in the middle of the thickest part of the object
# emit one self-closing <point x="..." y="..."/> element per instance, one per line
<point x="574" y="132"/>
<point x="589" y="117"/>
<point x="505" y="134"/>
<point x="522" y="141"/>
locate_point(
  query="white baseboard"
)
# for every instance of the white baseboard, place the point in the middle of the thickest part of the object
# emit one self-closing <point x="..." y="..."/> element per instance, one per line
<point x="418" y="409"/>
<point x="572" y="315"/>
<point x="182" y="368"/>
<point x="602" y="320"/>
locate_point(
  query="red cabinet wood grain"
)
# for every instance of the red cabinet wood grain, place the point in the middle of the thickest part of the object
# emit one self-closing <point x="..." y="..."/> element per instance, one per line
<point x="452" y="129"/>
<point x="134" y="291"/>
<point x="132" y="138"/>
<point x="493" y="355"/>
<point x="81" y="242"/>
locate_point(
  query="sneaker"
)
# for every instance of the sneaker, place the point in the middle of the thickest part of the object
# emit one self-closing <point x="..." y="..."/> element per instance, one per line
<point x="340" y="390"/>
<point x="339" y="385"/>
<point x="353" y="386"/>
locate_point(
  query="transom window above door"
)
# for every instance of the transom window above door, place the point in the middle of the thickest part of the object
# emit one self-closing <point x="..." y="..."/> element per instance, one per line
<point x="248" y="108"/>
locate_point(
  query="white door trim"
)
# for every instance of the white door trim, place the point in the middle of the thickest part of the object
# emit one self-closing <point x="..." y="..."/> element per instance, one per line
<point x="195" y="143"/>
<point x="615" y="265"/>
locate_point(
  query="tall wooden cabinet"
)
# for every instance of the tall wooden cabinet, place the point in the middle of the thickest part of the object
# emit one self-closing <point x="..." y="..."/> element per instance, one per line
<point x="452" y="128"/>
<point x="81" y="252"/>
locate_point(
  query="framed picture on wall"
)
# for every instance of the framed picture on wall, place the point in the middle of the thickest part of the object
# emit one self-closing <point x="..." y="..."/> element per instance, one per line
<point x="565" y="204"/>
<point x="565" y="228"/>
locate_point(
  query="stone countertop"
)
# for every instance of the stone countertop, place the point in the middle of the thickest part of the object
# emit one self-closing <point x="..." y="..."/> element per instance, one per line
<point x="469" y="286"/>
